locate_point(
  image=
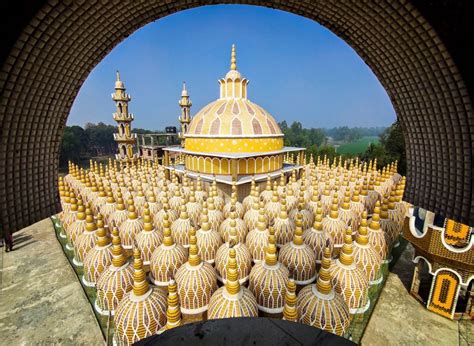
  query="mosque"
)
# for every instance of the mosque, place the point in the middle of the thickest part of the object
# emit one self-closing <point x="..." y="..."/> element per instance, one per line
<point x="231" y="224"/>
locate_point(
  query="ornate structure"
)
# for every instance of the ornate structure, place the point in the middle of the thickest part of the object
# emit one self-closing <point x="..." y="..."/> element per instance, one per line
<point x="185" y="118"/>
<point x="319" y="305"/>
<point x="232" y="300"/>
<point x="231" y="138"/>
<point x="125" y="138"/>
<point x="142" y="312"/>
<point x="443" y="277"/>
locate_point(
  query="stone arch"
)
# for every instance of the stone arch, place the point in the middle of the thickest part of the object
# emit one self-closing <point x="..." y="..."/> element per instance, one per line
<point x="48" y="53"/>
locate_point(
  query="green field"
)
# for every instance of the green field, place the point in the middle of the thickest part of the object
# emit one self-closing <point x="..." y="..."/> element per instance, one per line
<point x="357" y="147"/>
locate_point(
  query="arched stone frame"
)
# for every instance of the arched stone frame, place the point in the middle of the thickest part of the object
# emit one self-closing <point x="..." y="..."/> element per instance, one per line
<point x="54" y="53"/>
<point x="259" y="165"/>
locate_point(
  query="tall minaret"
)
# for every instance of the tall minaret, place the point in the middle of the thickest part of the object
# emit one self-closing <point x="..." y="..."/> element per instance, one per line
<point x="125" y="138"/>
<point x="185" y="118"/>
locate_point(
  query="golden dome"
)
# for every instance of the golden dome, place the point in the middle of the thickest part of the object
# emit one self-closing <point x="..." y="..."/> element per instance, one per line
<point x="193" y="207"/>
<point x="267" y="194"/>
<point x="196" y="281"/>
<point x="149" y="238"/>
<point x="216" y="217"/>
<point x="232" y="300"/>
<point x="273" y="206"/>
<point x="307" y="216"/>
<point x="257" y="238"/>
<point x="181" y="226"/>
<point x="251" y="216"/>
<point x="130" y="227"/>
<point x="283" y="225"/>
<point x="116" y="279"/>
<point x="167" y="258"/>
<point x="86" y="240"/>
<point x="233" y="204"/>
<point x="70" y="216"/>
<point x="208" y="240"/>
<point x="108" y="208"/>
<point x="120" y="214"/>
<point x="389" y="226"/>
<point x="160" y="216"/>
<point x="243" y="256"/>
<point x="298" y="257"/>
<point x="319" y="305"/>
<point x="334" y="225"/>
<point x="78" y="226"/>
<point x="316" y="238"/>
<point x="142" y="312"/>
<point x="349" y="279"/>
<point x="267" y="280"/>
<point x="376" y="234"/>
<point x="233" y="220"/>
<point x="232" y="123"/>
<point x="365" y="256"/>
<point x="98" y="258"/>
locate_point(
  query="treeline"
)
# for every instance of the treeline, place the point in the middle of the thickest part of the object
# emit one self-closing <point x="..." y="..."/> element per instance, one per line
<point x="79" y="144"/>
<point x="346" y="134"/>
<point x="391" y="144"/>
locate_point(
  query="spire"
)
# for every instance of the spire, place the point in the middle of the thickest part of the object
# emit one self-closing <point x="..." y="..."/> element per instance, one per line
<point x="118" y="257"/>
<point x="346" y="256"/>
<point x="374" y="223"/>
<point x="271" y="251"/>
<point x="362" y="238"/>
<point x="167" y="238"/>
<point x="173" y="313"/>
<point x="102" y="239"/>
<point x="298" y="237"/>
<point x="194" y="258"/>
<point x="184" y="92"/>
<point x="323" y="284"/>
<point x="233" y="59"/>
<point x="140" y="284"/>
<point x="147" y="220"/>
<point x="117" y="74"/>
<point x="232" y="284"/>
<point x="290" y="312"/>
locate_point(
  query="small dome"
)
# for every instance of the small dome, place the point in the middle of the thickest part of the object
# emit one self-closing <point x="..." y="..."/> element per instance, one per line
<point x="142" y="312"/>
<point x="196" y="281"/>
<point x="167" y="258"/>
<point x="115" y="281"/>
<point x="130" y="227"/>
<point x="232" y="300"/>
<point x="349" y="279"/>
<point x="98" y="258"/>
<point x="208" y="240"/>
<point x="267" y="280"/>
<point x="298" y="257"/>
<point x="243" y="257"/>
<point x="316" y="238"/>
<point x="320" y="306"/>
<point x="365" y="256"/>
<point x="86" y="240"/>
<point x="149" y="238"/>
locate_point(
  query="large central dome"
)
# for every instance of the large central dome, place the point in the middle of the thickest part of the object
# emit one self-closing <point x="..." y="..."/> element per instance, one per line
<point x="233" y="124"/>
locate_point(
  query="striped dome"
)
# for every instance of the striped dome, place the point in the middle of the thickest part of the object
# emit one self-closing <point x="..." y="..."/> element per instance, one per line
<point x="233" y="117"/>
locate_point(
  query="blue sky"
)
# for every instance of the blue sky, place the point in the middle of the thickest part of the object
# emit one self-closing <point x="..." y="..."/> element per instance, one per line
<point x="298" y="70"/>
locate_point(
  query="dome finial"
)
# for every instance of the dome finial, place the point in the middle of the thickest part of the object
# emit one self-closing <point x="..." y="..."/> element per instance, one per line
<point x="117" y="73"/>
<point x="233" y="60"/>
<point x="140" y="285"/>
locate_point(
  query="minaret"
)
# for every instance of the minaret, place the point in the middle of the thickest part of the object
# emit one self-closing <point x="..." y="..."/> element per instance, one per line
<point x="185" y="118"/>
<point x="125" y="138"/>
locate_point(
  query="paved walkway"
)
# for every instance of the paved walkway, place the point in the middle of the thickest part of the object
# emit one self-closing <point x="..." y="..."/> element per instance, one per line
<point x="41" y="299"/>
<point x="399" y="319"/>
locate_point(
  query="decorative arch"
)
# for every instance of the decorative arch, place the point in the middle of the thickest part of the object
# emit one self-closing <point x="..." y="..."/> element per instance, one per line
<point x="407" y="44"/>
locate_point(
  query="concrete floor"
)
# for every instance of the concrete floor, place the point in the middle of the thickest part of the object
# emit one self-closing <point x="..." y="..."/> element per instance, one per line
<point x="399" y="319"/>
<point x="42" y="301"/>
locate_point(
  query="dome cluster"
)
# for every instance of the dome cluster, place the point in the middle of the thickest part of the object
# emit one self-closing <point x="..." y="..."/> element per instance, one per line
<point x="165" y="252"/>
